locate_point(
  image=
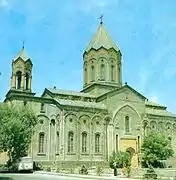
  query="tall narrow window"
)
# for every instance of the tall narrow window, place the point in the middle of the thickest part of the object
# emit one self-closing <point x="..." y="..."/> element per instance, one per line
<point x="70" y="142"/>
<point x="18" y="79"/>
<point x="84" y="142"/>
<point x="57" y="143"/>
<point x="92" y="73"/>
<point x="127" y="125"/>
<point x="138" y="141"/>
<point x="27" y="81"/>
<point x="145" y="128"/>
<point x="97" y="143"/>
<point x="41" y="142"/>
<point x="112" y="73"/>
<point x="85" y="75"/>
<point x="102" y="72"/>
<point x="117" y="143"/>
<point x="119" y="75"/>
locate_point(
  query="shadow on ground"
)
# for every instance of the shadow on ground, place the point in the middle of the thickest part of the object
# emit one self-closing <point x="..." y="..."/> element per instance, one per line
<point x="6" y="178"/>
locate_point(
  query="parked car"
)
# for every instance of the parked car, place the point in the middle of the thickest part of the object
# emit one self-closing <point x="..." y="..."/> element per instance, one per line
<point x="26" y="164"/>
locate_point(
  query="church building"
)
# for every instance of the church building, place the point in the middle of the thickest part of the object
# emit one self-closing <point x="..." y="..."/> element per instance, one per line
<point x="85" y="127"/>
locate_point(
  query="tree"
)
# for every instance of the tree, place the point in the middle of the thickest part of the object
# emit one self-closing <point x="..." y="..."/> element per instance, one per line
<point x="119" y="160"/>
<point x="16" y="128"/>
<point x="155" y="147"/>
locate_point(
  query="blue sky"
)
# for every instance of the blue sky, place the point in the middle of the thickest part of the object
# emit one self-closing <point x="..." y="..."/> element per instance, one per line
<point x="56" y="32"/>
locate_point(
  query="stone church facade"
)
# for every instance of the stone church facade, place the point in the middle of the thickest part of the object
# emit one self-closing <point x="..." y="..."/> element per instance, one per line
<point x="86" y="127"/>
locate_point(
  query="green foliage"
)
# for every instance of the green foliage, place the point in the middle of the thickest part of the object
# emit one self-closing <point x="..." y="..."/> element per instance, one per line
<point x="128" y="170"/>
<point x="16" y="128"/>
<point x="155" y="147"/>
<point x="119" y="159"/>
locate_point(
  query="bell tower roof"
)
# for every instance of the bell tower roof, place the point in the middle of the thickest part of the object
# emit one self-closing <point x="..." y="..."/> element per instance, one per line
<point x="22" y="54"/>
<point x="101" y="39"/>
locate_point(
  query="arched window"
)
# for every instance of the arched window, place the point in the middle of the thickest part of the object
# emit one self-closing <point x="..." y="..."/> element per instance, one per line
<point x="102" y="72"/>
<point x="41" y="142"/>
<point x="26" y="81"/>
<point x="18" y="79"/>
<point x="97" y="143"/>
<point x="70" y="142"/>
<point x="145" y="127"/>
<point x="53" y="122"/>
<point x="85" y="75"/>
<point x="127" y="124"/>
<point x="84" y="142"/>
<point x="57" y="143"/>
<point x="112" y="73"/>
<point x="92" y="73"/>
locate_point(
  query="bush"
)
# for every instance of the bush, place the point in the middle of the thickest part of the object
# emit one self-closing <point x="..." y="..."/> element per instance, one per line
<point x="128" y="170"/>
<point x="3" y="167"/>
<point x="83" y="170"/>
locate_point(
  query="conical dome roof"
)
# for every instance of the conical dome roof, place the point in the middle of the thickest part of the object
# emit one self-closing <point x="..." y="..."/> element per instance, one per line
<point x="101" y="39"/>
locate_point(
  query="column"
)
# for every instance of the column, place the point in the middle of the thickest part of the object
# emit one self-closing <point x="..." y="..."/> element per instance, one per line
<point x="110" y="133"/>
<point x="22" y="81"/>
<point x="29" y="83"/>
<point x="13" y="81"/>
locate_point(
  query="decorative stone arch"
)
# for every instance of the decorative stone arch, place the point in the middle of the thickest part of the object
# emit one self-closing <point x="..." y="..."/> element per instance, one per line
<point x="27" y="76"/>
<point x="94" y="119"/>
<point x="168" y="126"/>
<point x="102" y="66"/>
<point x="18" y="79"/>
<point x="83" y="117"/>
<point x="92" y="69"/>
<point x="145" y="123"/>
<point x="107" y="120"/>
<point x="85" y="63"/>
<point x="43" y="116"/>
<point x="58" y="118"/>
<point x="72" y="115"/>
<point x="153" y="125"/>
<point x="126" y="105"/>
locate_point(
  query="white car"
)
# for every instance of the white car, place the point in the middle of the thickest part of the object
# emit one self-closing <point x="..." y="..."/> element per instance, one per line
<point x="26" y="164"/>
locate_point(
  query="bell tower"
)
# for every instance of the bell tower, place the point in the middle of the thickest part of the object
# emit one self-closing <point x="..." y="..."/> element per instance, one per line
<point x="102" y="67"/>
<point x="21" y="78"/>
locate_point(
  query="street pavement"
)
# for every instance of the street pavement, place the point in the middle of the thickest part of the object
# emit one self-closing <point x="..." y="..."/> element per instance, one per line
<point x="43" y="177"/>
<point x="34" y="177"/>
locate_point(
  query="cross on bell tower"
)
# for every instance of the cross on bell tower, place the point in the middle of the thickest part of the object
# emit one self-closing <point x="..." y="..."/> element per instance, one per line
<point x="101" y="19"/>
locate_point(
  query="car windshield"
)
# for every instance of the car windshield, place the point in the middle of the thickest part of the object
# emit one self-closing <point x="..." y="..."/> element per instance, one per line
<point x="28" y="160"/>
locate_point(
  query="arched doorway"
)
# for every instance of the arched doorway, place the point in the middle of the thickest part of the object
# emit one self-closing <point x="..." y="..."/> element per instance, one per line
<point x="133" y="156"/>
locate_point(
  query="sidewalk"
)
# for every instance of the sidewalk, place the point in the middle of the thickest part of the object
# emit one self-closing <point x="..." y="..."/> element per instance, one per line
<point x="104" y="177"/>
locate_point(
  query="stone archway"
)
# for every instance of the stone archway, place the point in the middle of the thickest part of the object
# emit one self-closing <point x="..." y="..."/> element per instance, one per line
<point x="133" y="156"/>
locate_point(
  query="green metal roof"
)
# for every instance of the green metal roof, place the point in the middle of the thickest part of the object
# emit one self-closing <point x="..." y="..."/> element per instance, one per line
<point x="66" y="92"/>
<point x="101" y="39"/>
<point x="81" y="104"/>
<point x="22" y="54"/>
<point x="159" y="112"/>
<point x="150" y="103"/>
